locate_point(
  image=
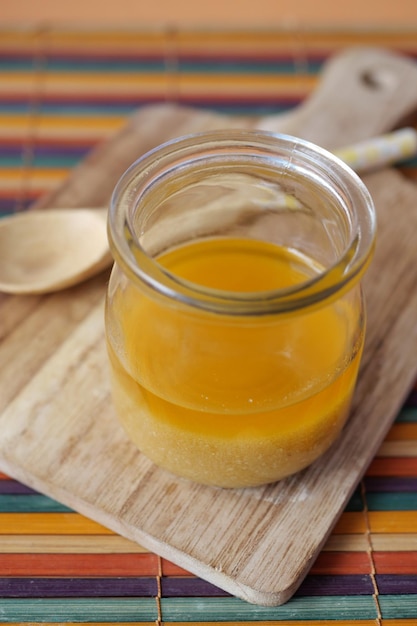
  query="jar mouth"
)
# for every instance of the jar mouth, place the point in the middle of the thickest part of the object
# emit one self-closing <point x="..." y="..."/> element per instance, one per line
<point x="302" y="179"/>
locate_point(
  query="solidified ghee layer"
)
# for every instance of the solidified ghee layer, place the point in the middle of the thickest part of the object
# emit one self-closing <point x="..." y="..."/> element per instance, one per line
<point x="228" y="401"/>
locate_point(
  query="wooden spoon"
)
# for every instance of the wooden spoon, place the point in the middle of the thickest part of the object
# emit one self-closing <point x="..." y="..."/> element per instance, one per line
<point x="44" y="251"/>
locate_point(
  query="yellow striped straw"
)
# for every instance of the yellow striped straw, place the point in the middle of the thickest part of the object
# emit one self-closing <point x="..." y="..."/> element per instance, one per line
<point x="376" y="152"/>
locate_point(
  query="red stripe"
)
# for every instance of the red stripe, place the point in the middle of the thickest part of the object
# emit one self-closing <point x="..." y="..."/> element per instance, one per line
<point x="290" y="99"/>
<point x="145" y="564"/>
<point x="393" y="466"/>
<point x="342" y="563"/>
<point x="395" y="562"/>
<point x="15" y="194"/>
<point x="170" y="569"/>
<point x="192" y="55"/>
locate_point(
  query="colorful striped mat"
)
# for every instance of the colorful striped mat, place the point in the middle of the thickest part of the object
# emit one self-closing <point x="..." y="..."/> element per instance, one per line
<point x="60" y="93"/>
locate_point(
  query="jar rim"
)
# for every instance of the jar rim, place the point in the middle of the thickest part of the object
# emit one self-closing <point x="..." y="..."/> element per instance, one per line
<point x="147" y="170"/>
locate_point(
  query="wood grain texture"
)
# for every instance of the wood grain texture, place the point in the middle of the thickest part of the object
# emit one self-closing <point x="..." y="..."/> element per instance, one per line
<point x="58" y="430"/>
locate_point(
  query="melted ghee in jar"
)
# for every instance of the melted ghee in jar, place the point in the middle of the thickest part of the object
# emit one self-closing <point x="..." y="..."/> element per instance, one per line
<point x="234" y="401"/>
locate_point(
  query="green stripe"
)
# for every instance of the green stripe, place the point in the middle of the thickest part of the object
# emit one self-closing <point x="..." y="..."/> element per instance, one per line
<point x="79" y="609"/>
<point x="398" y="607"/>
<point x="392" y="501"/>
<point x="30" y="504"/>
<point x="93" y="109"/>
<point x="384" y="501"/>
<point x="11" y="161"/>
<point x="355" y="503"/>
<point x="57" y="161"/>
<point x="232" y="609"/>
<point x="411" y="162"/>
<point x="408" y="414"/>
<point x="202" y="65"/>
<point x="68" y="161"/>
<point x="193" y="609"/>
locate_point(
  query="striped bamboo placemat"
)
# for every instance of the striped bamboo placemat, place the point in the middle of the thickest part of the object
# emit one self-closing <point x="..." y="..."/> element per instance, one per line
<point x="61" y="92"/>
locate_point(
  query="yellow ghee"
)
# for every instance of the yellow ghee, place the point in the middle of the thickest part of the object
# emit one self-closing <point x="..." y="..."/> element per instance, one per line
<point x="227" y="400"/>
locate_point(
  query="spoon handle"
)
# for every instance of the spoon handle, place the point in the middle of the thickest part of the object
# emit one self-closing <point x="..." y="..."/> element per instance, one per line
<point x="376" y="152"/>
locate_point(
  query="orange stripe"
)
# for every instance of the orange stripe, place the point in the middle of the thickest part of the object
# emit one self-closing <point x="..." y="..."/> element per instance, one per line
<point x="84" y="40"/>
<point x="394" y="563"/>
<point x="49" y="524"/>
<point x="14" y="121"/>
<point x="9" y="173"/>
<point x="115" y="40"/>
<point x="379" y="522"/>
<point x="402" y="431"/>
<point x="393" y="521"/>
<point x="145" y="564"/>
<point x="350" y="523"/>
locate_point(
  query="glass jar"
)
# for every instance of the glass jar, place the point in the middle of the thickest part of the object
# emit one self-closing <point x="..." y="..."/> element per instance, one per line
<point x="234" y="317"/>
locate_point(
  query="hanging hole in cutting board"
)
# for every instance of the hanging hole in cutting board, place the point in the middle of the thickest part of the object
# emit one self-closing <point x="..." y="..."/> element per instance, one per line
<point x="377" y="79"/>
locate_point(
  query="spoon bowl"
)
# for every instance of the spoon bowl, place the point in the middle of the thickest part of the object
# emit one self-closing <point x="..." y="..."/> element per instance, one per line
<point x="45" y="251"/>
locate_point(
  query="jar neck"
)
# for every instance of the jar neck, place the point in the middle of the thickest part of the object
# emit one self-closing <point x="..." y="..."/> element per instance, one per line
<point x="204" y="185"/>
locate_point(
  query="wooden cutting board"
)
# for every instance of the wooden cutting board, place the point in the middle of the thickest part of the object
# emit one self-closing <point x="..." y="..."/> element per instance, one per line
<point x="58" y="430"/>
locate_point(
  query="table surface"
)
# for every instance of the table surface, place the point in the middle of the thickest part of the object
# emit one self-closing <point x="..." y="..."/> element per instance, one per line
<point x="277" y="13"/>
<point x="61" y="92"/>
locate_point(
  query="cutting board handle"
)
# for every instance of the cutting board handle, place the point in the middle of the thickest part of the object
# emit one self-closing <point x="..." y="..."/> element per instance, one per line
<point x="362" y="92"/>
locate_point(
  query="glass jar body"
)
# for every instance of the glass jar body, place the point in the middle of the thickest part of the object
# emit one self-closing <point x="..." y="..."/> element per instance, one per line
<point x="235" y="364"/>
<point x="231" y="402"/>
